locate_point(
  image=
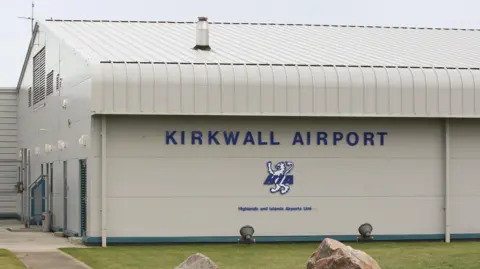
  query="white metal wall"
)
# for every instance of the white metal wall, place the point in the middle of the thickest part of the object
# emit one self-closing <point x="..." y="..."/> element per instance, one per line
<point x="49" y="122"/>
<point x="465" y="176"/>
<point x="157" y="190"/>
<point x="228" y="89"/>
<point x="8" y="151"/>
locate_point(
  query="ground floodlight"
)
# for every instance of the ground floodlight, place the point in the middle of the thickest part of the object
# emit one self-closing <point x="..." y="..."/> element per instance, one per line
<point x="246" y="233"/>
<point x="365" y="231"/>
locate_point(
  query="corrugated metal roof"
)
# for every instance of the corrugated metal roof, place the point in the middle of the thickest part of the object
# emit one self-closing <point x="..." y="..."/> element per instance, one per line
<point x="256" y="43"/>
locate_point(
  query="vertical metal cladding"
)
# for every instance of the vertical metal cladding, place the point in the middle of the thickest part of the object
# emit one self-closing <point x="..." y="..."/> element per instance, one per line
<point x="288" y="90"/>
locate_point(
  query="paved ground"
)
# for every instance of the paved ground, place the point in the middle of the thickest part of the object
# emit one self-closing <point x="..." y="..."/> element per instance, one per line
<point x="36" y="249"/>
<point x="49" y="260"/>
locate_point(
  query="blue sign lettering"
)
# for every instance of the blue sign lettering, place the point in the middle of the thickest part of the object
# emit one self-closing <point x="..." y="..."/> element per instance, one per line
<point x="231" y="137"/>
<point x="275" y="208"/>
<point x="260" y="138"/>
<point x="212" y="137"/>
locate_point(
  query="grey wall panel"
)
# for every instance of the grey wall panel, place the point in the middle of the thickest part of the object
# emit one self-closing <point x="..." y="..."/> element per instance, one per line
<point x="465" y="171"/>
<point x="174" y="216"/>
<point x="8" y="150"/>
<point x="156" y="182"/>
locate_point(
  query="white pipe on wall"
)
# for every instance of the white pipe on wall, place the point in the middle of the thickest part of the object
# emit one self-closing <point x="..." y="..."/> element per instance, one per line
<point x="29" y="179"/>
<point x="104" y="181"/>
<point x="447" y="180"/>
<point x="22" y="179"/>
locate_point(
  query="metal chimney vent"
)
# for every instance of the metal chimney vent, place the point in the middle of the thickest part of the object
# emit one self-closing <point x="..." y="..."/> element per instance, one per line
<point x="202" y="34"/>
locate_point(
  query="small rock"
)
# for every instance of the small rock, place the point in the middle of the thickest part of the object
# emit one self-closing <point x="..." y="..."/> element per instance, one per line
<point x="197" y="261"/>
<point x="332" y="254"/>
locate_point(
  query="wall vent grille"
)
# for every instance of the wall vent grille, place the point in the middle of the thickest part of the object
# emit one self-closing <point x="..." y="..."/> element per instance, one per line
<point x="39" y="76"/>
<point x="50" y="83"/>
<point x="30" y="97"/>
<point x="83" y="197"/>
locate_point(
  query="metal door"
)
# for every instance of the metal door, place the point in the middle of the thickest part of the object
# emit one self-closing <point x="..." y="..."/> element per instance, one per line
<point x="83" y="197"/>
<point x="65" y="197"/>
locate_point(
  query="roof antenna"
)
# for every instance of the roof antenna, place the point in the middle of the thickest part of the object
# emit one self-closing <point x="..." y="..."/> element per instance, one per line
<point x="31" y="18"/>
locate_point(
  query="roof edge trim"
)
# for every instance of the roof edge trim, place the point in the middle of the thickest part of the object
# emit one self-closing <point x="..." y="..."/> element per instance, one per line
<point x="27" y="56"/>
<point x="297" y="65"/>
<point x="276" y="24"/>
<point x="304" y="115"/>
<point x="5" y="89"/>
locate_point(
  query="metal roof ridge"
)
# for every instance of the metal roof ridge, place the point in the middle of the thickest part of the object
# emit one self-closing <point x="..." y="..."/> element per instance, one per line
<point x="290" y="64"/>
<point x="271" y="23"/>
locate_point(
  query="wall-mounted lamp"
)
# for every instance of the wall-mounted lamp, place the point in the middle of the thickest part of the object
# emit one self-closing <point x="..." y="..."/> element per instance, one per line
<point x="48" y="148"/>
<point x="246" y="235"/>
<point x="83" y="140"/>
<point x="64" y="103"/>
<point x="61" y="144"/>
<point x="37" y="150"/>
<point x="20" y="155"/>
<point x="365" y="231"/>
<point x="42" y="130"/>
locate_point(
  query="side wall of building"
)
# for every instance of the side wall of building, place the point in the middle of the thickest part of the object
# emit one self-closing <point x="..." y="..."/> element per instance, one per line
<point x="165" y="193"/>
<point x="61" y="116"/>
<point x="8" y="153"/>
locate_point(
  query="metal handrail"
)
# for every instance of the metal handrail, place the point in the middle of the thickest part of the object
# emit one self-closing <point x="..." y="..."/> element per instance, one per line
<point x="36" y="181"/>
<point x="29" y="196"/>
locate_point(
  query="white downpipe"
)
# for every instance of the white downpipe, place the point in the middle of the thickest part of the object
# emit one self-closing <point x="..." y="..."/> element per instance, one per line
<point x="447" y="180"/>
<point x="104" y="181"/>
<point x="29" y="179"/>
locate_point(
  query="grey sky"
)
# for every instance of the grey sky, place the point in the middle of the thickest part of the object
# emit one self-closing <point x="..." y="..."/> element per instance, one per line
<point x="15" y="33"/>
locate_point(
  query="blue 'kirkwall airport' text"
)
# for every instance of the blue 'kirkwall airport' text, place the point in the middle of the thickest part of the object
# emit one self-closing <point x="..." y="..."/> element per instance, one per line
<point x="260" y="138"/>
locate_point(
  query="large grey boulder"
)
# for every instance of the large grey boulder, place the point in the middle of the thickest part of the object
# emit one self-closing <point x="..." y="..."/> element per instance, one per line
<point x="197" y="261"/>
<point x="332" y="254"/>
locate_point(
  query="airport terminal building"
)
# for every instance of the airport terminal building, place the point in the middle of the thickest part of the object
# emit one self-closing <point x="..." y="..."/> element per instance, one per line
<point x="155" y="131"/>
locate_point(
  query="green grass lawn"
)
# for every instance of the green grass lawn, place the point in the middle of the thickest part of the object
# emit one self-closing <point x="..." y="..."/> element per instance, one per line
<point x="288" y="256"/>
<point x="9" y="261"/>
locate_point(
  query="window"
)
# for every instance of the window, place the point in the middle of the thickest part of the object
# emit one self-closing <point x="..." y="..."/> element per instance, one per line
<point x="39" y="76"/>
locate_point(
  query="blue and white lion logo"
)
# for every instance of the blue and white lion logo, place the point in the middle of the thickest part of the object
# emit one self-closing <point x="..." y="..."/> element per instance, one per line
<point x="279" y="177"/>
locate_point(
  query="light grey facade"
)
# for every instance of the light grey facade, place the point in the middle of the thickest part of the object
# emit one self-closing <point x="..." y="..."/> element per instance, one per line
<point x="382" y="132"/>
<point x="8" y="152"/>
<point x="399" y="186"/>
